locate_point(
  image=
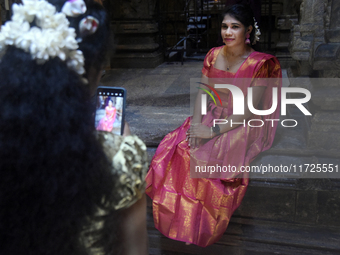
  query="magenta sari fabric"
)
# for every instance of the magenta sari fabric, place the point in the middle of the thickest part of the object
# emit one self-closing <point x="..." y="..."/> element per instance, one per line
<point x="198" y="210"/>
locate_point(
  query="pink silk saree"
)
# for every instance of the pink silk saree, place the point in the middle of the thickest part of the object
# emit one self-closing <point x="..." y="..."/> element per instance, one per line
<point x="198" y="210"/>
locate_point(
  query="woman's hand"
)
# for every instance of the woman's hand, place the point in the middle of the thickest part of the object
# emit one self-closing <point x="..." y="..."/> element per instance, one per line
<point x="197" y="132"/>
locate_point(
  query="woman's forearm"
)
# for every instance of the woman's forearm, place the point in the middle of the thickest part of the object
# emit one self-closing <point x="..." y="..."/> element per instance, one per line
<point x="134" y="230"/>
<point x="197" y="116"/>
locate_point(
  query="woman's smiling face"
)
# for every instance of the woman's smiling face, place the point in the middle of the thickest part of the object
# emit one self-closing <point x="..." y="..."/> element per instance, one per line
<point x="233" y="31"/>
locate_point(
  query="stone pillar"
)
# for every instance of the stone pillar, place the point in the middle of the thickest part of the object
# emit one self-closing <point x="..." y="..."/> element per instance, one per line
<point x="135" y="34"/>
<point x="316" y="47"/>
<point x="285" y="22"/>
<point x="308" y="35"/>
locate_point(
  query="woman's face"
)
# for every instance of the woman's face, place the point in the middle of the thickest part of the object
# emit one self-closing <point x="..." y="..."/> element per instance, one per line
<point x="110" y="103"/>
<point x="233" y="32"/>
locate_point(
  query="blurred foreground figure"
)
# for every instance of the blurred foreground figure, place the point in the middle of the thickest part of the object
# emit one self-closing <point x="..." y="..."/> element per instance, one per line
<point x="64" y="188"/>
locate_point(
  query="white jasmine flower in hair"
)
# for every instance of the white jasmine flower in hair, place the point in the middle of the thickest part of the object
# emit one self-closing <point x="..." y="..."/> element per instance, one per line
<point x="61" y="55"/>
<point x="24" y="40"/>
<point x="19" y="14"/>
<point x="73" y="8"/>
<point x="60" y="22"/>
<point x="50" y="35"/>
<point x="36" y="38"/>
<point x="70" y="41"/>
<point x="257" y="32"/>
<point x="12" y="30"/>
<point x="76" y="61"/>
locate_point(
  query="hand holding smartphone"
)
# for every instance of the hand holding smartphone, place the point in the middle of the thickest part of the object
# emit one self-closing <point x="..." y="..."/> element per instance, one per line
<point x="110" y="109"/>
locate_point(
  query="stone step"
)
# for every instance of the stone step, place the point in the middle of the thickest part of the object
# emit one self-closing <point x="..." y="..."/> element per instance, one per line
<point x="325" y="131"/>
<point x="152" y="123"/>
<point x="199" y="27"/>
<point x="197" y="57"/>
<point x="199" y="18"/>
<point x="287" y="238"/>
<point x="285" y="59"/>
<point x="254" y="236"/>
<point x="282" y="45"/>
<point x="137" y="59"/>
<point x="138" y="47"/>
<point x="327" y="98"/>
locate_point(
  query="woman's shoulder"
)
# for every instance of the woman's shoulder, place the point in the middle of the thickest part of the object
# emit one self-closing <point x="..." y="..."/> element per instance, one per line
<point x="209" y="59"/>
<point x="263" y="57"/>
<point x="214" y="50"/>
<point x="211" y="55"/>
<point x="265" y="65"/>
<point x="129" y="161"/>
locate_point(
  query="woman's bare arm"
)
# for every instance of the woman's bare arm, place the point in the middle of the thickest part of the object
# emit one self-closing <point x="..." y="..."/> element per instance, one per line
<point x="134" y="231"/>
<point x="197" y="116"/>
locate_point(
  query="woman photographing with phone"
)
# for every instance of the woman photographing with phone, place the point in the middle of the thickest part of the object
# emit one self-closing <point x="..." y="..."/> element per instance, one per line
<point x="198" y="210"/>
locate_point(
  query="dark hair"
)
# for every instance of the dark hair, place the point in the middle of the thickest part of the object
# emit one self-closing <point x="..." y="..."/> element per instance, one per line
<point x="242" y="13"/>
<point x="95" y="47"/>
<point x="54" y="173"/>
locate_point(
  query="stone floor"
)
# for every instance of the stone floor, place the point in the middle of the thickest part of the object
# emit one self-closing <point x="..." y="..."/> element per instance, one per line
<point x="277" y="216"/>
<point x="158" y="100"/>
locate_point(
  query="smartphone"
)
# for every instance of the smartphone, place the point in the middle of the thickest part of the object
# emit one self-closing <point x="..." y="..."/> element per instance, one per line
<point x="110" y="109"/>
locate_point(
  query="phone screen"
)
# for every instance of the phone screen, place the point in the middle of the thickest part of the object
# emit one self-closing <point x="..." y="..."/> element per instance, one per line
<point x="110" y="109"/>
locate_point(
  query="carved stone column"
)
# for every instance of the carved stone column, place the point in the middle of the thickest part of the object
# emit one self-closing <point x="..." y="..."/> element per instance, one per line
<point x="326" y="121"/>
<point x="135" y="32"/>
<point x="316" y="47"/>
<point x="308" y="35"/>
<point x="327" y="55"/>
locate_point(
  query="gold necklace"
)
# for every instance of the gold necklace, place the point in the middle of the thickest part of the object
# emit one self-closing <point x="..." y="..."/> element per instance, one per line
<point x="229" y="66"/>
<point x="224" y="53"/>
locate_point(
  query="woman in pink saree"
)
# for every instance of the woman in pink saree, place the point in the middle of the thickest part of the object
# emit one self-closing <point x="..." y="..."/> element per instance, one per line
<point x="106" y="123"/>
<point x="198" y="210"/>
